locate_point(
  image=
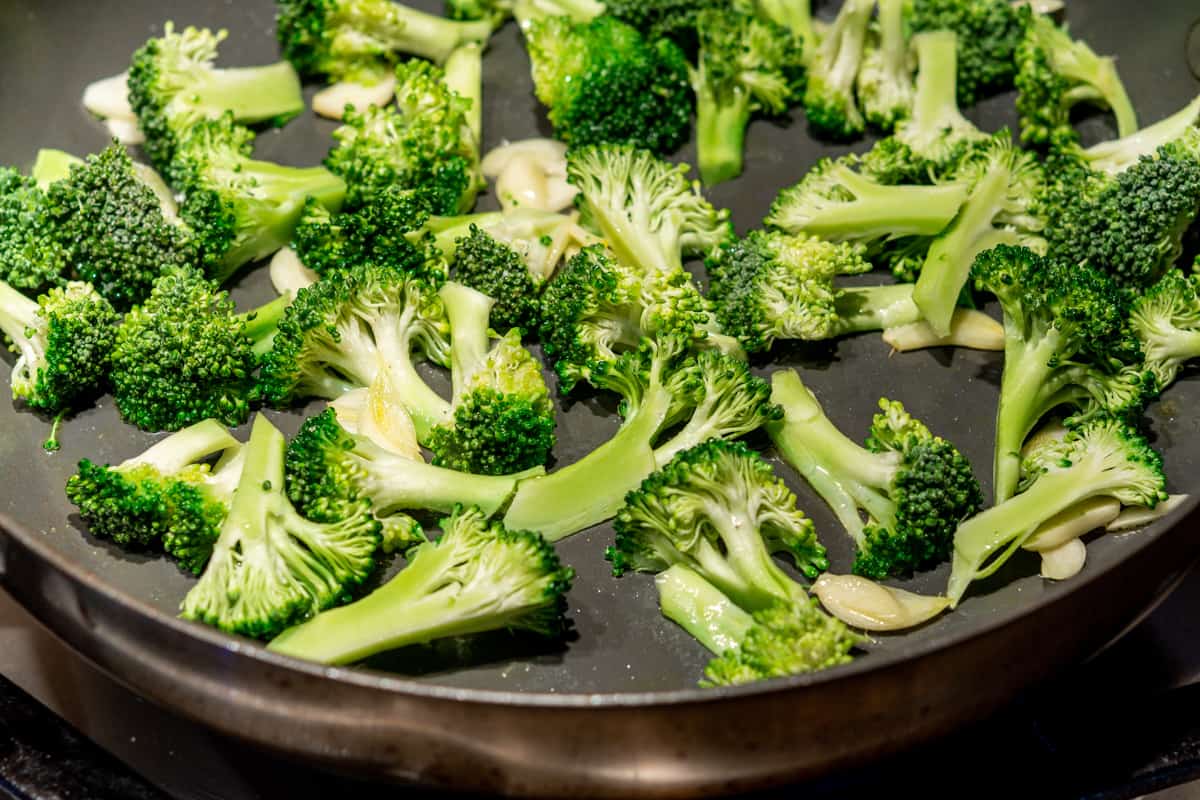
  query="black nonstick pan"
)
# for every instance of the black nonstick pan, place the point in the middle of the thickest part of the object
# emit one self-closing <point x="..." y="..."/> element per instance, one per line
<point x="615" y="712"/>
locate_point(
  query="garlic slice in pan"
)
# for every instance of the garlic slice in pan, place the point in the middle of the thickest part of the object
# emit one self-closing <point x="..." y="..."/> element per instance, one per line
<point x="377" y="413"/>
<point x="865" y="604"/>
<point x="1072" y="523"/>
<point x="288" y="273"/>
<point x="331" y="101"/>
<point x="1064" y="561"/>
<point x="531" y="173"/>
<point x="108" y="98"/>
<point x="1139" y="516"/>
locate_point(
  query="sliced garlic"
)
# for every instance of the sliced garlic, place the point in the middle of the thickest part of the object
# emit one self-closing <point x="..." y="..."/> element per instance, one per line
<point x="531" y="173"/>
<point x="968" y="328"/>
<point x="386" y="421"/>
<point x="125" y="131"/>
<point x="522" y="184"/>
<point x="549" y="152"/>
<point x="349" y="409"/>
<point x="1140" y="516"/>
<point x="108" y="98"/>
<point x="865" y="604"/>
<point x="1064" y="561"/>
<point x="288" y="273"/>
<point x="1051" y="432"/>
<point x="1071" y="523"/>
<point x="331" y="102"/>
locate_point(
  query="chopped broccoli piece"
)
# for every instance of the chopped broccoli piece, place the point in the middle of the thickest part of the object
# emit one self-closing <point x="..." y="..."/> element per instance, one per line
<point x="526" y="11"/>
<point x="168" y="497"/>
<point x="988" y="31"/>
<point x="1166" y="320"/>
<point x="491" y="266"/>
<point x="1105" y="458"/>
<point x="173" y="85"/>
<point x="911" y="487"/>
<point x="719" y="509"/>
<point x="795" y="15"/>
<point x="832" y="68"/>
<point x="885" y="82"/>
<point x="1117" y="155"/>
<point x="271" y="567"/>
<point x="32" y="255"/>
<point x="478" y="576"/>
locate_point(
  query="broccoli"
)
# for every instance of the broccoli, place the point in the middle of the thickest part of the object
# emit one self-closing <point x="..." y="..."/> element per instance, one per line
<point x="603" y="82"/>
<point x="503" y="419"/>
<point x="424" y="144"/>
<point x="491" y="266"/>
<point x="795" y="15"/>
<point x="784" y="639"/>
<point x="745" y="65"/>
<point x="678" y="20"/>
<point x="240" y="209"/>
<point x="1117" y="155"/>
<point x="911" y="487"/>
<point x="539" y="237"/>
<point x="885" y="82"/>
<point x="1001" y="209"/>
<point x="341" y="332"/>
<point x="183" y="356"/>
<point x="988" y="32"/>
<point x="1066" y="340"/>
<point x="360" y="40"/>
<point x="478" y="576"/>
<point x="526" y="11"/>
<point x="167" y="497"/>
<point x="173" y="85"/>
<point x="1054" y="74"/>
<point x="271" y="567"/>
<point x="1104" y="458"/>
<point x="32" y="256"/>
<point x="721" y="510"/>
<point x="1166" y="320"/>
<point x="63" y="342"/>
<point x="114" y="226"/>
<point x="832" y="68"/>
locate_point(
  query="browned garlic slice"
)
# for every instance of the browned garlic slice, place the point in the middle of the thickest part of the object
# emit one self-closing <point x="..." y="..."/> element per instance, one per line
<point x="862" y="603"/>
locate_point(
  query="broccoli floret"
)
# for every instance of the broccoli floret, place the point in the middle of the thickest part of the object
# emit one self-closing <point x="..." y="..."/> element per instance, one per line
<point x="342" y="331"/>
<point x="603" y="82"/>
<point x="425" y="144"/>
<point x="115" y="227"/>
<point x="184" y="356"/>
<point x="1105" y="458"/>
<point x="1001" y="209"/>
<point x="540" y="238"/>
<point x="911" y="487"/>
<point x="745" y="65"/>
<point x="1054" y="74"/>
<point x="885" y="81"/>
<point x="1166" y="320"/>
<point x="526" y="11"/>
<point x="168" y="497"/>
<point x="1065" y="341"/>
<point x="360" y="40"/>
<point x="832" y="68"/>
<point x="988" y="32"/>
<point x="240" y="209"/>
<point x="721" y="510"/>
<point x="478" y="576"/>
<point x="32" y="255"/>
<point x="271" y="567"/>
<point x="63" y="342"/>
<point x="491" y="266"/>
<point x="173" y="85"/>
<point x="784" y="639"/>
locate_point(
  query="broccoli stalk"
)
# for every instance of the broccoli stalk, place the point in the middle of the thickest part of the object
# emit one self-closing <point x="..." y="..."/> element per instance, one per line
<point x="829" y="98"/>
<point x="464" y="77"/>
<point x="884" y="82"/>
<point x="478" y="576"/>
<point x="988" y="33"/>
<point x="271" y="567"/>
<point x="1117" y="155"/>
<point x="1101" y="459"/>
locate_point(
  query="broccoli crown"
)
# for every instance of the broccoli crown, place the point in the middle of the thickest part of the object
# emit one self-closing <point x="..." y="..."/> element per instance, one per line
<point x="719" y="509"/>
<point x="650" y="214"/>
<point x="377" y="233"/>
<point x="829" y="100"/>
<point x="494" y="268"/>
<point x="678" y="20"/>
<point x="63" y="342"/>
<point x="988" y="31"/>
<point x="32" y="255"/>
<point x="770" y="286"/>
<point x="478" y="576"/>
<point x="424" y="144"/>
<point x="884" y="82"/>
<point x="1166" y="320"/>
<point x="114" y="226"/>
<point x="785" y="639"/>
<point x="603" y="82"/>
<point x="1056" y="73"/>
<point x="341" y="331"/>
<point x="504" y="420"/>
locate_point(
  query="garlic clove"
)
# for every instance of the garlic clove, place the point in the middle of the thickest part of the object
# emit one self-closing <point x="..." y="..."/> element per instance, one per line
<point x="331" y="102"/>
<point x="1064" y="561"/>
<point x="862" y="603"/>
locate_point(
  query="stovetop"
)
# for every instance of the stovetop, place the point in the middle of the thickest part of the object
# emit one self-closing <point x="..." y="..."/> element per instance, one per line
<point x="1125" y="725"/>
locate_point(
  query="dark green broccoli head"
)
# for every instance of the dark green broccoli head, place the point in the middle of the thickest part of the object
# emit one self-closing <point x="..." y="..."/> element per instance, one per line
<point x="678" y="20"/>
<point x="989" y="32"/>
<point x="32" y="254"/>
<point x="494" y="268"/>
<point x="603" y="82"/>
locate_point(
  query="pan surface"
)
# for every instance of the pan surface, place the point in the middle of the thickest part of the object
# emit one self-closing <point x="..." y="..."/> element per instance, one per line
<point x="615" y="712"/>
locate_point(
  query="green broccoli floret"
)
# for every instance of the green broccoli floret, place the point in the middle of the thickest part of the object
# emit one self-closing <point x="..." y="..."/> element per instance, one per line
<point x="63" y="342"/>
<point x="342" y="331"/>
<point x="1001" y="209"/>
<point x="1105" y="458"/>
<point x="540" y="238"/>
<point x="361" y="40"/>
<point x="677" y="20"/>
<point x="719" y="509"/>
<point x="784" y="639"/>
<point x="33" y="256"/>
<point x="173" y="85"/>
<point x="1055" y="73"/>
<point x="603" y="82"/>
<point x="115" y="227"/>
<point x="745" y="65"/>
<point x="240" y="209"/>
<point x="1166" y="320"/>
<point x="168" y="497"/>
<point x="271" y="567"/>
<point x="478" y="576"/>
<point x="900" y="498"/>
<point x="491" y="266"/>
<point x="988" y="32"/>
<point x="424" y="144"/>
<point x="832" y="68"/>
<point x="885" y="81"/>
<point x="1065" y="341"/>
<point x="526" y="11"/>
<point x="184" y="356"/>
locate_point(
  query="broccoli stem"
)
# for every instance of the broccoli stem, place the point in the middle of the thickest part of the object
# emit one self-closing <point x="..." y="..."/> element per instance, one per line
<point x="886" y="211"/>
<point x="875" y="308"/>
<point x="935" y="105"/>
<point x="464" y="76"/>
<point x="745" y="571"/>
<point x="403" y="484"/>
<point x="253" y="94"/>
<point x="188" y="446"/>
<point x="261" y="324"/>
<point x="701" y="609"/>
<point x="434" y="37"/>
<point x="1117" y="155"/>
<point x="720" y="134"/>
<point x="468" y="311"/>
<point x="18" y="315"/>
<point x="796" y="16"/>
<point x="52" y="166"/>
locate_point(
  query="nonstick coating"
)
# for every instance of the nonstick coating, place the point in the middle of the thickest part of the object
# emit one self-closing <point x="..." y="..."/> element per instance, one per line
<point x="625" y="659"/>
